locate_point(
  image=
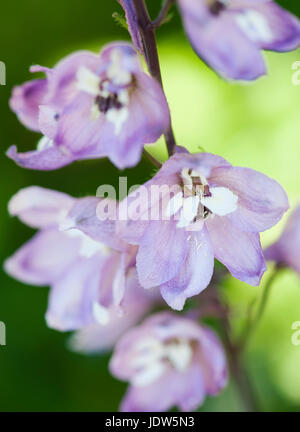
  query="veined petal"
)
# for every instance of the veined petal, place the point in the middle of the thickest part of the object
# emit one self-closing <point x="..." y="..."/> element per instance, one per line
<point x="196" y="273"/>
<point x="261" y="200"/>
<point x="158" y="265"/>
<point x="239" y="251"/>
<point x="50" y="158"/>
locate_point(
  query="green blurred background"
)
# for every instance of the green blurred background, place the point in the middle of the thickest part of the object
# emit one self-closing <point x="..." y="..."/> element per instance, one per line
<point x="253" y="125"/>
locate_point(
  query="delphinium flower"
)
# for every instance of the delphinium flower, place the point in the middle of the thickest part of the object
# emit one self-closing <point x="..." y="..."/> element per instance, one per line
<point x="230" y="34"/>
<point x="96" y="338"/>
<point x="89" y="278"/>
<point x="286" y="250"/>
<point x="217" y="211"/>
<point x="169" y="361"/>
<point x="91" y="106"/>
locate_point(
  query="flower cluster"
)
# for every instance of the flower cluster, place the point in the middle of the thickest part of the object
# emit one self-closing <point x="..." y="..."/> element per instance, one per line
<point x="108" y="275"/>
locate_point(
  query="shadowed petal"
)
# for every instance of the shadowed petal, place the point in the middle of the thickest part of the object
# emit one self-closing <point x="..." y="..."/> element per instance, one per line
<point x="221" y="44"/>
<point x="51" y="158"/>
<point x="262" y="201"/>
<point x="286" y="250"/>
<point x="194" y="275"/>
<point x="43" y="258"/>
<point x="72" y="296"/>
<point x="185" y="390"/>
<point x="159" y="264"/>
<point x="39" y="207"/>
<point x="25" y="102"/>
<point x="239" y="251"/>
<point x="284" y="28"/>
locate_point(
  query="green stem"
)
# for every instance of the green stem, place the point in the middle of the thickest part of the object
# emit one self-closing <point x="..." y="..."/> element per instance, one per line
<point x="253" y="323"/>
<point x="163" y="13"/>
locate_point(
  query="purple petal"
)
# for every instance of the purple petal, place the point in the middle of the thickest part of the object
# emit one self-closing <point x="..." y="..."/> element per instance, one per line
<point x="62" y="80"/>
<point x="213" y="361"/>
<point x="287" y="249"/>
<point x="84" y="215"/>
<point x="132" y="22"/>
<point x="194" y="275"/>
<point x="220" y="43"/>
<point x="157" y="265"/>
<point x="136" y="303"/>
<point x="51" y="158"/>
<point x="78" y="132"/>
<point x="39" y="207"/>
<point x="185" y="390"/>
<point x="148" y="119"/>
<point x="25" y="102"/>
<point x="91" y="138"/>
<point x="44" y="258"/>
<point x="202" y="162"/>
<point x="149" y="199"/>
<point x="284" y="27"/>
<point x="262" y="201"/>
<point x="73" y="294"/>
<point x="48" y="121"/>
<point x="239" y="251"/>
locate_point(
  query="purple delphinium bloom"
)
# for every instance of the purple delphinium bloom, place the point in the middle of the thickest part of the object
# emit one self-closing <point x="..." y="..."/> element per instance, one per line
<point x="89" y="278"/>
<point x="217" y="211"/>
<point x="96" y="338"/>
<point x="230" y="34"/>
<point x="286" y="251"/>
<point x="169" y="361"/>
<point x="91" y="106"/>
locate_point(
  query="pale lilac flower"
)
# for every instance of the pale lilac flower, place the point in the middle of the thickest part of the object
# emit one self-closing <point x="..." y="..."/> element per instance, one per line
<point x="286" y="251"/>
<point x="230" y="34"/>
<point x="169" y="361"/>
<point x="91" y="106"/>
<point x="96" y="338"/>
<point x="89" y="278"/>
<point x="217" y="212"/>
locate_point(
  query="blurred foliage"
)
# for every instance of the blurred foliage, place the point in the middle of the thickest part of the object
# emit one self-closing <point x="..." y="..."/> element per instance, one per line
<point x="254" y="125"/>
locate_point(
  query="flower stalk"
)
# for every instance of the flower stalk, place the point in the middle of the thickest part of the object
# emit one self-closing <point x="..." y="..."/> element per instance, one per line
<point x="147" y="31"/>
<point x="254" y="322"/>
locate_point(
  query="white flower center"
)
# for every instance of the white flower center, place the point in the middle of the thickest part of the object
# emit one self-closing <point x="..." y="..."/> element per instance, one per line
<point x="45" y="143"/>
<point x="88" y="81"/>
<point x="198" y="199"/>
<point x="221" y="202"/>
<point x="154" y="357"/>
<point x="113" y="104"/>
<point x="116" y="72"/>
<point x="101" y="314"/>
